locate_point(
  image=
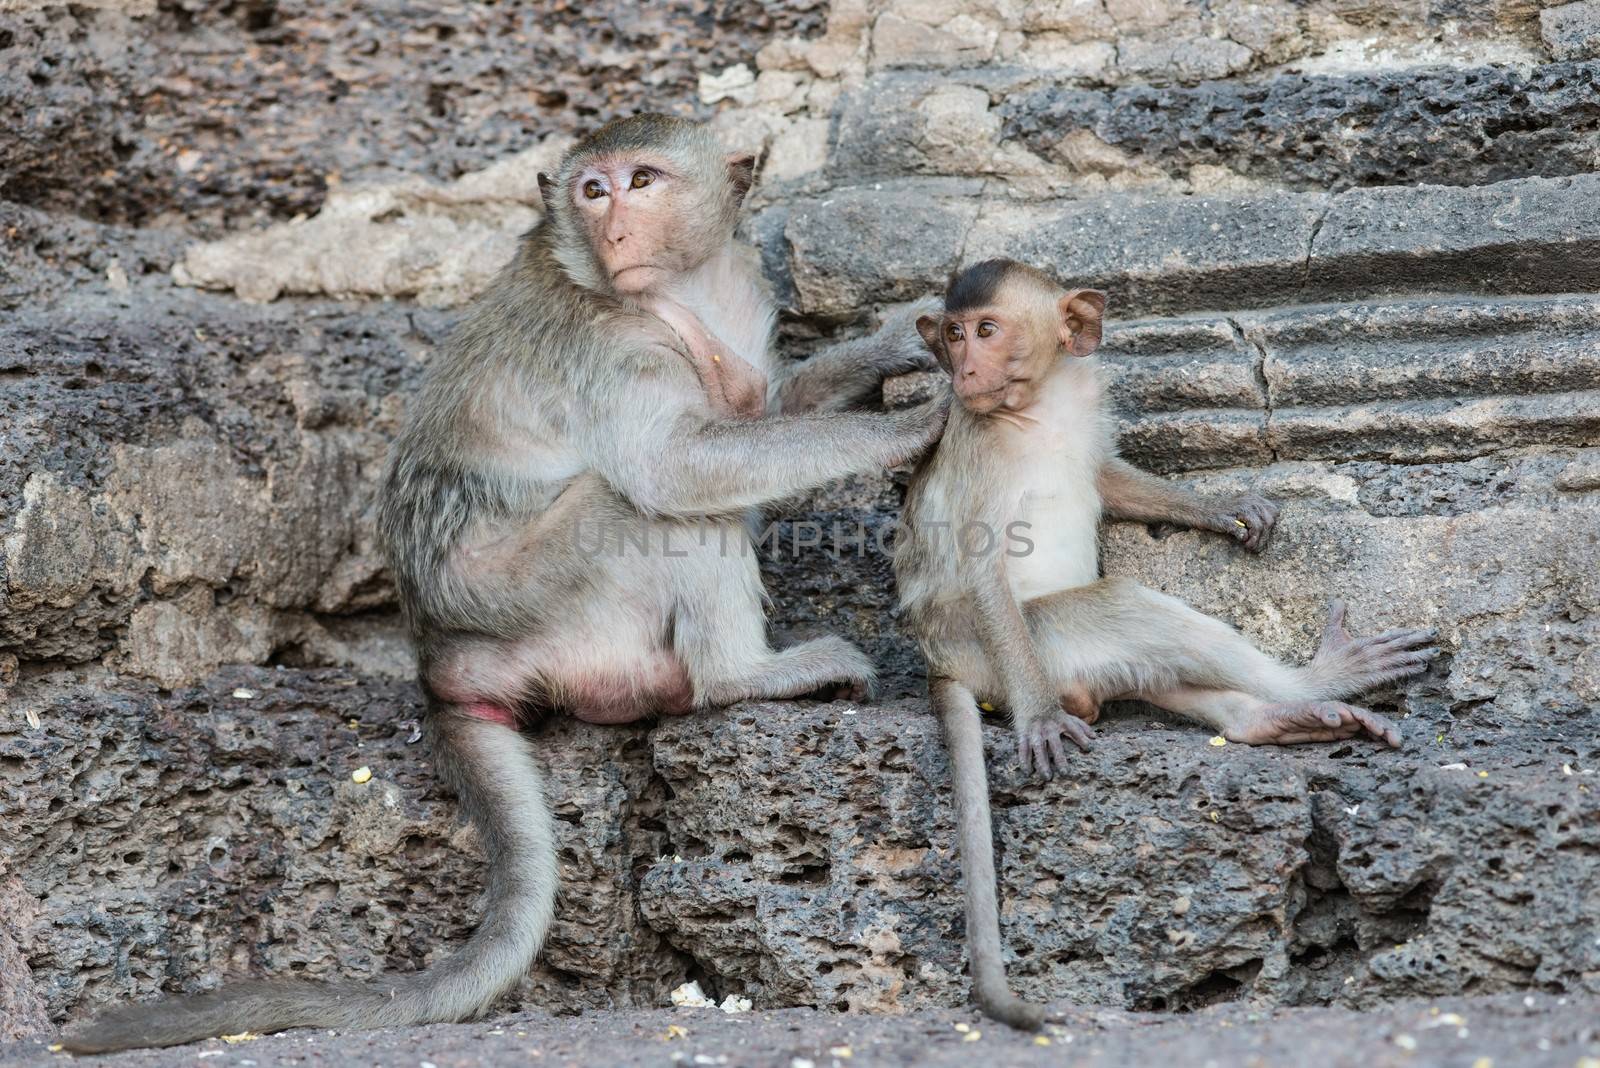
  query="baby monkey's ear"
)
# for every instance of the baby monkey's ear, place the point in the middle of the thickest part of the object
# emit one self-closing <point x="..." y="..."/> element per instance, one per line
<point x="547" y="191"/>
<point x="1081" y="311"/>
<point x="931" y="327"/>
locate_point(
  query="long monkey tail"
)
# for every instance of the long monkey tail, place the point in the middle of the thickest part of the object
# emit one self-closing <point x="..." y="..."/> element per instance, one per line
<point x="491" y="768"/>
<point x="963" y="737"/>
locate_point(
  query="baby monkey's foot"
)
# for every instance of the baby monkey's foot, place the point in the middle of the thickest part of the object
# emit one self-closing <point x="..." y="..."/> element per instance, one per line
<point x="1311" y="721"/>
<point x="1040" y="748"/>
<point x="1362" y="663"/>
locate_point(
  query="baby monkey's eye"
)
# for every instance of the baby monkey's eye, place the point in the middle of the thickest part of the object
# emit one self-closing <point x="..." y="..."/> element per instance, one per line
<point x="593" y="189"/>
<point x="641" y="179"/>
<point x="987" y="328"/>
<point x="953" y="332"/>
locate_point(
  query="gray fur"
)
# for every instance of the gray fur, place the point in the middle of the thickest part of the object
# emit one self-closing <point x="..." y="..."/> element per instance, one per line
<point x="560" y="403"/>
<point x="1051" y="657"/>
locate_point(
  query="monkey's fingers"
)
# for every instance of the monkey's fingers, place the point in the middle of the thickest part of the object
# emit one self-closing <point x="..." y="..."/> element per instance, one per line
<point x="1334" y="630"/>
<point x="1254" y="519"/>
<point x="1311" y="721"/>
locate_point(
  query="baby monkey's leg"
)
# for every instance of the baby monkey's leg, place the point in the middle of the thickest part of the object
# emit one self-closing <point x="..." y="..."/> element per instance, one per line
<point x="1121" y="639"/>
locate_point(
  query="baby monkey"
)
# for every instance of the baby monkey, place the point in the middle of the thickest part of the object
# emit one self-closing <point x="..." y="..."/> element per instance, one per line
<point x="999" y="577"/>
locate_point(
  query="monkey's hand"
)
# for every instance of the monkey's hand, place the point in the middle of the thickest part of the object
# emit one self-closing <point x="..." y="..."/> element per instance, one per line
<point x="1248" y="519"/>
<point x="898" y="349"/>
<point x="1039" y="740"/>
<point x="920" y="426"/>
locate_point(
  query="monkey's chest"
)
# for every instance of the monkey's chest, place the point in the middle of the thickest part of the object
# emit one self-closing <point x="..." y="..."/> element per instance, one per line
<point x="1055" y="537"/>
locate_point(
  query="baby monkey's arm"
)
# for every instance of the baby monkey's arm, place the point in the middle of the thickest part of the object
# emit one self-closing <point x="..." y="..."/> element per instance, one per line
<point x="1038" y="715"/>
<point x="1129" y="493"/>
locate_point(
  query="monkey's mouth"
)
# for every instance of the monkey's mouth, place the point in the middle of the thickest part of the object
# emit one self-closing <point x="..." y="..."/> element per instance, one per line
<point x="985" y="400"/>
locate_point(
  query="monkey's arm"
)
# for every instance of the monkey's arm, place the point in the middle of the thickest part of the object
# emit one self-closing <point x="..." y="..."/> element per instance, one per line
<point x="1035" y="707"/>
<point x="1129" y="493"/>
<point x="851" y="373"/>
<point x="666" y="459"/>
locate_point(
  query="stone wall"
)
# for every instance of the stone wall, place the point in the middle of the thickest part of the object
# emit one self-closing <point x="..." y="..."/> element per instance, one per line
<point x="1352" y="251"/>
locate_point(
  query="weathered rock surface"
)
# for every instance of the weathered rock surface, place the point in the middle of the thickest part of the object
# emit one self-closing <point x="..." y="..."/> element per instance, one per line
<point x="1173" y="254"/>
<point x="1443" y="126"/>
<point x="1572" y="31"/>
<point x="237" y="112"/>
<point x="175" y="837"/>
<point x="1410" y="368"/>
<point x="1535" y="1031"/>
<point x="184" y="486"/>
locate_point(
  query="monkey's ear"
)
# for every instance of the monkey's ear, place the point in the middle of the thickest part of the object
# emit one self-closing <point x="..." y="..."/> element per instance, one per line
<point x="1081" y="311"/>
<point x="928" y="327"/>
<point x="547" y="190"/>
<point x="741" y="173"/>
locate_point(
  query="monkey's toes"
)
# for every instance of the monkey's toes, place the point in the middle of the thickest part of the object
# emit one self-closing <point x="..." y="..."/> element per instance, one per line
<point x="852" y="690"/>
<point x="1313" y="721"/>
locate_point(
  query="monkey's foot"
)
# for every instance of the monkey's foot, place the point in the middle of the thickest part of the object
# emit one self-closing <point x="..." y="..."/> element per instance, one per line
<point x="1311" y="721"/>
<point x="1355" y="664"/>
<point x="1249" y="520"/>
<point x="828" y="667"/>
<point x="853" y="690"/>
<point x="1039" y="742"/>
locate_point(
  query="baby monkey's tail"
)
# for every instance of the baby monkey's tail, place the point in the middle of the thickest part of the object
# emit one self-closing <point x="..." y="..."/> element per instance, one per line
<point x="963" y="737"/>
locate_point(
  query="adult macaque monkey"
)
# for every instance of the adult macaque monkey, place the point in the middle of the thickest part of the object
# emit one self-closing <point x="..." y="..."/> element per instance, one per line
<point x="564" y="517"/>
<point x="1019" y="615"/>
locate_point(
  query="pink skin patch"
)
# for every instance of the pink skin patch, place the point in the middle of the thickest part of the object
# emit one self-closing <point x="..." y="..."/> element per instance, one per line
<point x="491" y="713"/>
<point x="661" y="687"/>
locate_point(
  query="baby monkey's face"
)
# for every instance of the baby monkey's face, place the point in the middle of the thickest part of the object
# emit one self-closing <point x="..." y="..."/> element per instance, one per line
<point x="1000" y="350"/>
<point x="993" y="358"/>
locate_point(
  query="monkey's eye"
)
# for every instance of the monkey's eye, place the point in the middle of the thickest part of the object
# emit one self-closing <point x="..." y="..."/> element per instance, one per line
<point x="593" y="189"/>
<point x="641" y="179"/>
<point x="987" y="328"/>
<point x="953" y="332"/>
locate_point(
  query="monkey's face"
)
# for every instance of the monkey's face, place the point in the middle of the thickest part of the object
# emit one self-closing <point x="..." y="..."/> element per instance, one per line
<point x="987" y="351"/>
<point x="649" y="218"/>
<point x="999" y="353"/>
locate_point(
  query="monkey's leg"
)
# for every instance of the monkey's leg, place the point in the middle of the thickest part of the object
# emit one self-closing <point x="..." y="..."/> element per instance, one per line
<point x="1243" y="717"/>
<point x="720" y="630"/>
<point x="491" y="768"/>
<point x="963" y="736"/>
<point x="1119" y="638"/>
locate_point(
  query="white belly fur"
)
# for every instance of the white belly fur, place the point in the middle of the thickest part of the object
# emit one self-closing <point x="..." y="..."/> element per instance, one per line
<point x="1057" y="464"/>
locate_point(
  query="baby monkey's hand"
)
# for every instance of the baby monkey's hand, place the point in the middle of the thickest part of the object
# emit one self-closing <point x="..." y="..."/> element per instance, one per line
<point x="1247" y="519"/>
<point x="1040" y="749"/>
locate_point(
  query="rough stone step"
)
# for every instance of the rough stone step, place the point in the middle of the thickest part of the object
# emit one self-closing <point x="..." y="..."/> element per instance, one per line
<point x="1440" y="125"/>
<point x="1402" y="380"/>
<point x="202" y="441"/>
<point x="1445" y="126"/>
<point x="800" y="854"/>
<point x="183" y="484"/>
<point x="1161" y="255"/>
